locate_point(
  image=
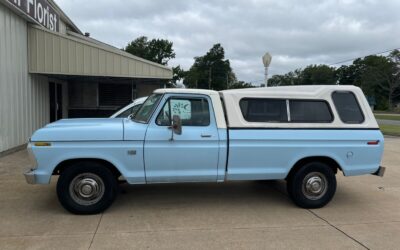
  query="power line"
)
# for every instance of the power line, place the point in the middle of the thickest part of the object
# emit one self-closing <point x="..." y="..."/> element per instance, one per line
<point x="348" y="60"/>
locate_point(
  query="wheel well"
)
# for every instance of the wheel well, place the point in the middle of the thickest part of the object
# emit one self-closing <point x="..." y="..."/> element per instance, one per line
<point x="63" y="165"/>
<point x="329" y="161"/>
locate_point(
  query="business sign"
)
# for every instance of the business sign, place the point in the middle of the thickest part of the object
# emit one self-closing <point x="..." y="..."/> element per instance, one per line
<point x="40" y="10"/>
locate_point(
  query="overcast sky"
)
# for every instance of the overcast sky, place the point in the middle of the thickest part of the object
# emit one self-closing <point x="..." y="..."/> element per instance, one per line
<point x="296" y="33"/>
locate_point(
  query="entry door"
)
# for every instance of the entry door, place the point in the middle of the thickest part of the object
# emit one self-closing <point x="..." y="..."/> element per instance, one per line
<point x="55" y="91"/>
<point x="190" y="156"/>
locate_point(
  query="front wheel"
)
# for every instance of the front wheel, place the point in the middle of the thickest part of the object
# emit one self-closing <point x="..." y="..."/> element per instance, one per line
<point x="312" y="186"/>
<point x="86" y="188"/>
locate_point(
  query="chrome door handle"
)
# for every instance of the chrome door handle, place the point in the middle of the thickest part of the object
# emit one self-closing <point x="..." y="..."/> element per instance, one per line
<point x="205" y="136"/>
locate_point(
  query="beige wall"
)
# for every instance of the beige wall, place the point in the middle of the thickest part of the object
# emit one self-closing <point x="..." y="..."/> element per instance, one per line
<point x="24" y="98"/>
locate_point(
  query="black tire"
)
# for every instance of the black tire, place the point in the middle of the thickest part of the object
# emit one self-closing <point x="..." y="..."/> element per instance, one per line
<point x="300" y="185"/>
<point x="88" y="178"/>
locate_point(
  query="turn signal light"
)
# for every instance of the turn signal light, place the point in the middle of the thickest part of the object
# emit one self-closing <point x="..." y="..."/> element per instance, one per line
<point x="373" y="142"/>
<point x="42" y="144"/>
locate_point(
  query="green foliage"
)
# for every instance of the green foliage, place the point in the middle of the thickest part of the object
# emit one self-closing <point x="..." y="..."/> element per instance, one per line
<point x="318" y="75"/>
<point x="178" y="73"/>
<point x="311" y="75"/>
<point x="211" y="71"/>
<point x="291" y="78"/>
<point x="390" y="129"/>
<point x="156" y="50"/>
<point x="240" y="85"/>
<point x="378" y="76"/>
<point x="387" y="117"/>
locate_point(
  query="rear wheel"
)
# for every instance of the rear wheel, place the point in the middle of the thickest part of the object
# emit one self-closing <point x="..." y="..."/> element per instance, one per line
<point x="86" y="188"/>
<point x="312" y="186"/>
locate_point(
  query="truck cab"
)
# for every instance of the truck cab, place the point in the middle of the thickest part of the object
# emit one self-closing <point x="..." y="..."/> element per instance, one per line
<point x="198" y="151"/>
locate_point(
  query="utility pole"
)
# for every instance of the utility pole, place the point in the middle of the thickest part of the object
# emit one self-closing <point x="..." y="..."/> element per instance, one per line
<point x="227" y="81"/>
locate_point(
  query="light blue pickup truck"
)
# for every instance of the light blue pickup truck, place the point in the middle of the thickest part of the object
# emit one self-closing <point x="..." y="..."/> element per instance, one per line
<point x="301" y="134"/>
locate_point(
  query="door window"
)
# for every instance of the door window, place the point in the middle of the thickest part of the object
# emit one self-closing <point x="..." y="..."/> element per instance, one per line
<point x="192" y="111"/>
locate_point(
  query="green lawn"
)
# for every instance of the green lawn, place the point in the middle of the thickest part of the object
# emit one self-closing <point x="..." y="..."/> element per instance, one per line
<point x="387" y="117"/>
<point x="390" y="129"/>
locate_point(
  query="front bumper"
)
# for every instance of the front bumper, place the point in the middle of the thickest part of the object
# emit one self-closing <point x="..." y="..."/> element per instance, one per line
<point x="30" y="176"/>
<point x="380" y="172"/>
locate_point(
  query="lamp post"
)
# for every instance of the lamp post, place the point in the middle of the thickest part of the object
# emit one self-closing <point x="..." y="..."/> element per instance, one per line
<point x="266" y="61"/>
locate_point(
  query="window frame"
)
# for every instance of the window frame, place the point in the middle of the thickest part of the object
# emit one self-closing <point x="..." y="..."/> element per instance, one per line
<point x="262" y="98"/>
<point x="184" y="98"/>
<point x="311" y="100"/>
<point x="152" y="112"/>
<point x="357" y="102"/>
<point x="288" y="113"/>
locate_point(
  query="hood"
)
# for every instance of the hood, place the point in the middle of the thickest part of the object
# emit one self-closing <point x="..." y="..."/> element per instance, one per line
<point x="87" y="129"/>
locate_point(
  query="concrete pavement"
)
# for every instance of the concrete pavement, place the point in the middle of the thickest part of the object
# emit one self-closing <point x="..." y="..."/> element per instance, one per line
<point x="364" y="214"/>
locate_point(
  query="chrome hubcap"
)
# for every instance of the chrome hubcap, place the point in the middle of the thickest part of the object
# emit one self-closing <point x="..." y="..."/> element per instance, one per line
<point x="314" y="186"/>
<point x="86" y="189"/>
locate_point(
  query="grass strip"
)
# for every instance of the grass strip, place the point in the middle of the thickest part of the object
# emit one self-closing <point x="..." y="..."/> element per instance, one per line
<point x="390" y="129"/>
<point x="387" y="117"/>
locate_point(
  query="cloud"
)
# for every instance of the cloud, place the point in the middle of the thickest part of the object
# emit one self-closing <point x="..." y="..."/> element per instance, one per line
<point x="296" y="33"/>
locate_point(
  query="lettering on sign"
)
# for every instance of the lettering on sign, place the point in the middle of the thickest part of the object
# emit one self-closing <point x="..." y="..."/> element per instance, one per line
<point x="39" y="10"/>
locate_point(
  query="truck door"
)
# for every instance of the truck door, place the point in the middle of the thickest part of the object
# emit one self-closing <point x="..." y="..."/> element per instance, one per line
<point x="190" y="156"/>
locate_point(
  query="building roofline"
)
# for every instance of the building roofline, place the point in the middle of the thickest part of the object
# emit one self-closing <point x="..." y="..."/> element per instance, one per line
<point x="36" y="30"/>
<point x="64" y="16"/>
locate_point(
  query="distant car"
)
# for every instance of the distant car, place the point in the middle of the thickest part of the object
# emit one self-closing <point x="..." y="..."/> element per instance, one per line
<point x="129" y="109"/>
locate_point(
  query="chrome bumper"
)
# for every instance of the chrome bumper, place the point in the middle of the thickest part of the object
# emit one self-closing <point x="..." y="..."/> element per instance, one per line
<point x="30" y="177"/>
<point x="380" y="172"/>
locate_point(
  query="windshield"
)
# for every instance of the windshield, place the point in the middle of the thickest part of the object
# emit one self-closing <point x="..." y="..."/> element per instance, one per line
<point x="144" y="113"/>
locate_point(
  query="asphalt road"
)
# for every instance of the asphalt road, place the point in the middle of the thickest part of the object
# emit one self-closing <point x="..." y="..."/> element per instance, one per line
<point x="364" y="214"/>
<point x="388" y="122"/>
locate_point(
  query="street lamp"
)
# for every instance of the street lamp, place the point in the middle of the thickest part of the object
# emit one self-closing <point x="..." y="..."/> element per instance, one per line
<point x="266" y="61"/>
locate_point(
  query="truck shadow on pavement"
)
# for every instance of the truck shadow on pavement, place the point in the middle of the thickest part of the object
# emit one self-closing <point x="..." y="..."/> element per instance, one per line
<point x="202" y="194"/>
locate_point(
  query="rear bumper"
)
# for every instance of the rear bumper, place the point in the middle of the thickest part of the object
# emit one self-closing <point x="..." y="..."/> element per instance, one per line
<point x="30" y="177"/>
<point x="380" y="172"/>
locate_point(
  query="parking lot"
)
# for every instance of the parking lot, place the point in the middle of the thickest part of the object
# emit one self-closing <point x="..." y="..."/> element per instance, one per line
<point x="365" y="213"/>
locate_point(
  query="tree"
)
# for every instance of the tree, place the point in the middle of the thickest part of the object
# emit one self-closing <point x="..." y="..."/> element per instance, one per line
<point x="156" y="50"/>
<point x="310" y="75"/>
<point x="211" y="71"/>
<point x="318" y="75"/>
<point x="393" y="80"/>
<point x="240" y="85"/>
<point x="291" y="78"/>
<point x="378" y="77"/>
<point x="178" y="74"/>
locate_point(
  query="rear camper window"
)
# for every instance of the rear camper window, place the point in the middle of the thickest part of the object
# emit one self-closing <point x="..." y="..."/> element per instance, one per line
<point x="264" y="110"/>
<point x="310" y="111"/>
<point x="348" y="108"/>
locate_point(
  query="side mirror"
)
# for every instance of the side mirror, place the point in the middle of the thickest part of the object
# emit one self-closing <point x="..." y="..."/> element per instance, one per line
<point x="176" y="125"/>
